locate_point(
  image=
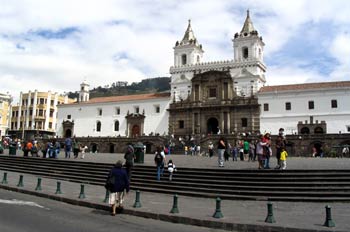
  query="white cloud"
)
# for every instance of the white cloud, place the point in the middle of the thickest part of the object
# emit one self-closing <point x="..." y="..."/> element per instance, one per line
<point x="129" y="40"/>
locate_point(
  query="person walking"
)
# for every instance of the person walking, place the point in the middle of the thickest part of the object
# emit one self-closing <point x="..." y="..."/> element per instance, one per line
<point x="283" y="158"/>
<point x="76" y="148"/>
<point x="159" y="160"/>
<point x="211" y="149"/>
<point x="260" y="146"/>
<point x="171" y="169"/>
<point x="118" y="185"/>
<point x="67" y="147"/>
<point x="129" y="159"/>
<point x="221" y="149"/>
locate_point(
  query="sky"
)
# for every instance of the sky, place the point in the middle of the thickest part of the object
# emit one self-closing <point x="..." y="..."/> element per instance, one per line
<point x="55" y="45"/>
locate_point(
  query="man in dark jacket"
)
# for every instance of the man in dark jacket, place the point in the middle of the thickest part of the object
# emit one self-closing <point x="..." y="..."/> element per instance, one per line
<point x="120" y="186"/>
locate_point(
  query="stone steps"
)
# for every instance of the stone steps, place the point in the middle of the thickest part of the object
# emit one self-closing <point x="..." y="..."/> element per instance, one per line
<point x="288" y="185"/>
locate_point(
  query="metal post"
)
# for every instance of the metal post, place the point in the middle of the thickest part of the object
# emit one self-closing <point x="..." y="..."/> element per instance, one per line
<point x="218" y="213"/>
<point x="329" y="222"/>
<point x="58" y="190"/>
<point x="137" y="200"/>
<point x="175" y="209"/>
<point x="106" y="196"/>
<point x="4" y="179"/>
<point x="38" y="186"/>
<point x="270" y="218"/>
<point x="82" y="192"/>
<point x="20" y="182"/>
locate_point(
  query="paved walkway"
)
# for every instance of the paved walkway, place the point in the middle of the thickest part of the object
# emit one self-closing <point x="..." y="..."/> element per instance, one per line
<point x="238" y="215"/>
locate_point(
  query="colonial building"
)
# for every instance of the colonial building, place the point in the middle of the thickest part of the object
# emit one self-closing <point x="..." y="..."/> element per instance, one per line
<point x="310" y="108"/>
<point x="5" y="109"/>
<point x="220" y="96"/>
<point x="116" y="116"/>
<point x="36" y="114"/>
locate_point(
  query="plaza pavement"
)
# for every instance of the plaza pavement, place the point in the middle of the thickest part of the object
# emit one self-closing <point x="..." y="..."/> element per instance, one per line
<point x="238" y="215"/>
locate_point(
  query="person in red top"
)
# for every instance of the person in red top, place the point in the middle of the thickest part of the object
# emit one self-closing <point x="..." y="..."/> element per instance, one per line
<point x="27" y="148"/>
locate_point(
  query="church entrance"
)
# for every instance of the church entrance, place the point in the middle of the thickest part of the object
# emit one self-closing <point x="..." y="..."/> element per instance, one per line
<point x="213" y="126"/>
<point x="135" y="131"/>
<point x="68" y="133"/>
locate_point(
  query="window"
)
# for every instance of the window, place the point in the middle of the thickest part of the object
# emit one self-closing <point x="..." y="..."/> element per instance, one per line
<point x="116" y="125"/>
<point x="117" y="110"/>
<point x="69" y="116"/>
<point x="52" y="102"/>
<point x="288" y="106"/>
<point x="244" y="122"/>
<point x="41" y="113"/>
<point x="181" y="124"/>
<point x="137" y="109"/>
<point x="51" y="113"/>
<point x="348" y="128"/>
<point x="157" y="109"/>
<point x="30" y="123"/>
<point x="266" y="107"/>
<point x="183" y="59"/>
<point x="245" y="52"/>
<point x="98" y="126"/>
<point x="334" y="104"/>
<point x="99" y="112"/>
<point x="30" y="112"/>
<point x="50" y="125"/>
<point x="212" y="92"/>
<point x="32" y="101"/>
<point x="41" y="101"/>
<point x="311" y="105"/>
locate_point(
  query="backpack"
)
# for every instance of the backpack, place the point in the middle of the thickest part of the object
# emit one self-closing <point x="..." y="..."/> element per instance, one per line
<point x="110" y="182"/>
<point x="158" y="158"/>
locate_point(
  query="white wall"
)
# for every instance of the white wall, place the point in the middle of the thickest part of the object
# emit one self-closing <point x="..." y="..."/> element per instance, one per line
<point x="337" y="119"/>
<point x="85" y="117"/>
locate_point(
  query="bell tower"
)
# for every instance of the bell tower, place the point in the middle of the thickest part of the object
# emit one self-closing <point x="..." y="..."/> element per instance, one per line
<point x="247" y="44"/>
<point x="188" y="51"/>
<point x="84" y="94"/>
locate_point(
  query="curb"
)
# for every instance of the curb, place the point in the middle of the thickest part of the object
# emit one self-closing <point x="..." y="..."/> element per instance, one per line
<point x="231" y="226"/>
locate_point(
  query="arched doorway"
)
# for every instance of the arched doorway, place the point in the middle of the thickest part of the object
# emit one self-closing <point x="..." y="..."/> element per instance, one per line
<point x="94" y="148"/>
<point x="305" y="131"/>
<point x="68" y="133"/>
<point x="318" y="130"/>
<point x="111" y="148"/>
<point x="213" y="126"/>
<point x="135" y="131"/>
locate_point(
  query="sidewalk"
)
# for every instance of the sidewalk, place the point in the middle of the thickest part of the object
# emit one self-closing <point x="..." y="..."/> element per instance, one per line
<point x="238" y="215"/>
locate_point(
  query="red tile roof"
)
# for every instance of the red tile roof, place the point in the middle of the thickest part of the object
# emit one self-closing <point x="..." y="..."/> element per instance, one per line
<point x="305" y="86"/>
<point x="126" y="98"/>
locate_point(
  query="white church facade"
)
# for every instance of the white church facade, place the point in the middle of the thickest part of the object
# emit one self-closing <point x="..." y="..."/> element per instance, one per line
<point x="127" y="116"/>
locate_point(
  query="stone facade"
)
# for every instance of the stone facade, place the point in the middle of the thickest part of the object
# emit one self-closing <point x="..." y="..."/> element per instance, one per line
<point x="213" y="107"/>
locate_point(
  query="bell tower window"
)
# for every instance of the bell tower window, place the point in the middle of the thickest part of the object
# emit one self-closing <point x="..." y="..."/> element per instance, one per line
<point x="183" y="59"/>
<point x="198" y="59"/>
<point x="245" y="52"/>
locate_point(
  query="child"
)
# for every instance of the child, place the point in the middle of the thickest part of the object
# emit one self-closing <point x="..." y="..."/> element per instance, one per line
<point x="283" y="158"/>
<point x="171" y="169"/>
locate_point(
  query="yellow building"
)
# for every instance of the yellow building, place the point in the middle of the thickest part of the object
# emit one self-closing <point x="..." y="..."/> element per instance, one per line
<point x="36" y="114"/>
<point x="5" y="108"/>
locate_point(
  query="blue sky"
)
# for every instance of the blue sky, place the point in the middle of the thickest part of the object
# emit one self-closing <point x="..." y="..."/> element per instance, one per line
<point x="55" y="45"/>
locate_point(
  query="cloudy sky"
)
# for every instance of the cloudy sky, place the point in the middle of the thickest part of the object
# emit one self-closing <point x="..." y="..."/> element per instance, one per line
<point x="56" y="44"/>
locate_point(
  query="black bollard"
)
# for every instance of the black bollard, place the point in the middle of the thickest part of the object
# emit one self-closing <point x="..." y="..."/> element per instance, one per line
<point x="38" y="185"/>
<point x="218" y="213"/>
<point x="20" y="182"/>
<point x="58" y="190"/>
<point x="175" y="209"/>
<point x="270" y="218"/>
<point x="106" y="200"/>
<point x="82" y="192"/>
<point x="137" y="203"/>
<point x="4" y="179"/>
<point x="329" y="222"/>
